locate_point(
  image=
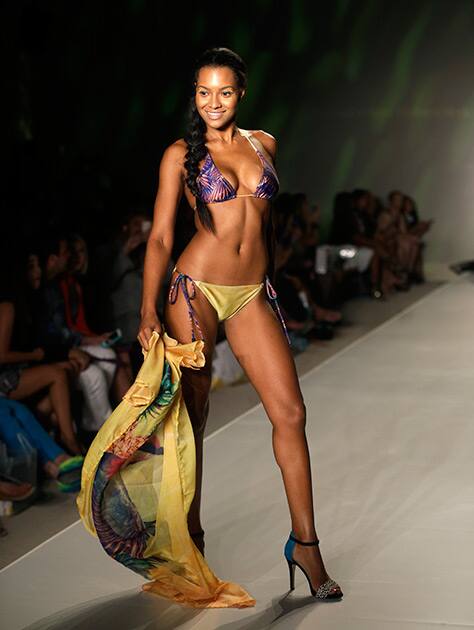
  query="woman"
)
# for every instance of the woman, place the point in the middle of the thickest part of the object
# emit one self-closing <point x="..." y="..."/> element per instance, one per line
<point x="417" y="228"/>
<point x="392" y="230"/>
<point x="227" y="174"/>
<point x="22" y="373"/>
<point x="116" y="373"/>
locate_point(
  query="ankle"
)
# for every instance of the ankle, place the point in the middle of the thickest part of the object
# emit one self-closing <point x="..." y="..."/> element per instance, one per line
<point x="304" y="534"/>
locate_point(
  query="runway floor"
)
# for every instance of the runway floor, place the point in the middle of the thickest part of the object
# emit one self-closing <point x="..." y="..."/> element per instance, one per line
<point x="391" y="433"/>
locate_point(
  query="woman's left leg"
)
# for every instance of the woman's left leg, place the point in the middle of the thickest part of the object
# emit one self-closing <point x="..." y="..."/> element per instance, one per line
<point x="257" y="339"/>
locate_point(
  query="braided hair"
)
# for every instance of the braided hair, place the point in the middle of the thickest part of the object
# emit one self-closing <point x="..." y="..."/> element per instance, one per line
<point x="196" y="127"/>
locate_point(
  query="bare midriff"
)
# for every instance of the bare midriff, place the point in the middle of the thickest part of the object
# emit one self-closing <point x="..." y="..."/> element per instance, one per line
<point x="237" y="252"/>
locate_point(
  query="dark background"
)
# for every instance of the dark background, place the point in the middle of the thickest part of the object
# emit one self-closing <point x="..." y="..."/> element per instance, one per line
<point x="359" y="93"/>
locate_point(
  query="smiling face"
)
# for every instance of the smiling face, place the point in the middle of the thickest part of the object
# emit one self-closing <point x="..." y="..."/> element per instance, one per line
<point x="217" y="95"/>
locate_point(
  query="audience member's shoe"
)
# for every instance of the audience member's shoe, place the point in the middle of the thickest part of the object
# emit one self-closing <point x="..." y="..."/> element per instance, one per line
<point x="69" y="477"/>
<point x="298" y="342"/>
<point x="12" y="489"/>
<point x="417" y="278"/>
<point x="402" y="282"/>
<point x="327" y="315"/>
<point x="402" y="286"/>
<point x="323" y="331"/>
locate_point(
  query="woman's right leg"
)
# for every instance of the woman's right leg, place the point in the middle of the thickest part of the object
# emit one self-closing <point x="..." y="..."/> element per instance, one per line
<point x="55" y="378"/>
<point x="196" y="384"/>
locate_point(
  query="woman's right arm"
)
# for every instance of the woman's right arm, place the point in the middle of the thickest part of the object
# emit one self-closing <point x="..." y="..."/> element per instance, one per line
<point x="160" y="241"/>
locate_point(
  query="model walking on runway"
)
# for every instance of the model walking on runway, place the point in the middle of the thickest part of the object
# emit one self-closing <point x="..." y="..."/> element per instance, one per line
<point x="228" y="176"/>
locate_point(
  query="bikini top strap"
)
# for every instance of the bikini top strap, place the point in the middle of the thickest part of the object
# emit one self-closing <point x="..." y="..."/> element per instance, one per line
<point x="256" y="144"/>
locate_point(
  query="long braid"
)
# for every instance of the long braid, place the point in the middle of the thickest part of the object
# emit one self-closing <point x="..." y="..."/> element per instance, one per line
<point x="196" y="128"/>
<point x="195" y="139"/>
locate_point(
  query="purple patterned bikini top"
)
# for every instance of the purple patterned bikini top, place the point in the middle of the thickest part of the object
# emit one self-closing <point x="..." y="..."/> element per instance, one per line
<point x="214" y="187"/>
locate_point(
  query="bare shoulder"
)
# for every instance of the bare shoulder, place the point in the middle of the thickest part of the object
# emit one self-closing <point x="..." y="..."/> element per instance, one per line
<point x="269" y="142"/>
<point x="175" y="152"/>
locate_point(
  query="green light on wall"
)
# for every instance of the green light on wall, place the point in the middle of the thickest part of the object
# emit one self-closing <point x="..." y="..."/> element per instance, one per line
<point x="299" y="35"/>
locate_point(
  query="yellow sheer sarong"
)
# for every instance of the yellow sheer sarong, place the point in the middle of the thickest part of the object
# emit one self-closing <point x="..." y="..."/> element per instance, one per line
<point x="138" y="481"/>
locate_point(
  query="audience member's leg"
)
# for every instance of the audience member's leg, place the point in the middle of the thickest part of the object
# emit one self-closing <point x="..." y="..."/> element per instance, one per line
<point x="55" y="378"/>
<point x="107" y="360"/>
<point x="23" y="421"/>
<point x="93" y="385"/>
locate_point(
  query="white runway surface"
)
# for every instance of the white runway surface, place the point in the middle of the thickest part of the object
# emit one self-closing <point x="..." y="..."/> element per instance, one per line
<point x="391" y="433"/>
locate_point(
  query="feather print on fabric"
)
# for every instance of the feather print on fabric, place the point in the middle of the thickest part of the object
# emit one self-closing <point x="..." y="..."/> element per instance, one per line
<point x="119" y="526"/>
<point x="138" y="483"/>
<point x="212" y="184"/>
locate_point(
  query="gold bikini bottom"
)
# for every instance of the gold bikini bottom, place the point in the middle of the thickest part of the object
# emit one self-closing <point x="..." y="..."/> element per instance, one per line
<point x="226" y="299"/>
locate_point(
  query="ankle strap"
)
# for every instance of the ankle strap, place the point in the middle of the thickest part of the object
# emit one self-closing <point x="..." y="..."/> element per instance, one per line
<point x="300" y="542"/>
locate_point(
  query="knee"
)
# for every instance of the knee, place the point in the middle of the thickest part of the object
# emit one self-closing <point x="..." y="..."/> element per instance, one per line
<point x="58" y="373"/>
<point x="292" y="417"/>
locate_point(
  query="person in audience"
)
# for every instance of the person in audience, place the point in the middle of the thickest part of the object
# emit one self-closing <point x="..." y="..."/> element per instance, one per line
<point x="17" y="420"/>
<point x="27" y="368"/>
<point x="393" y="232"/>
<point x="325" y="288"/>
<point x="355" y="221"/>
<point x="54" y="333"/>
<point x="418" y="228"/>
<point x="119" y="272"/>
<point x="296" y="232"/>
<point x="116" y="373"/>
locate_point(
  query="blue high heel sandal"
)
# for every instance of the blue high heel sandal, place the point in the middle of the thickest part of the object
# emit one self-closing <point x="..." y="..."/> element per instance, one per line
<point x="326" y="590"/>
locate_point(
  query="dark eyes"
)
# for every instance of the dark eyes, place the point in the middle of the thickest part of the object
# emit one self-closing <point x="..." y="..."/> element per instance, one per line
<point x="226" y="93"/>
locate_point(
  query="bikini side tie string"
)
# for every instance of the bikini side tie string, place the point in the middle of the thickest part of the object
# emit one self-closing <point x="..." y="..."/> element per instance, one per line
<point x="272" y="294"/>
<point x="181" y="279"/>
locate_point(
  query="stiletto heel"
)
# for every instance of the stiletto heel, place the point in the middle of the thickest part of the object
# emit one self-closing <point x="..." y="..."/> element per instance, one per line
<point x="329" y="589"/>
<point x="291" y="567"/>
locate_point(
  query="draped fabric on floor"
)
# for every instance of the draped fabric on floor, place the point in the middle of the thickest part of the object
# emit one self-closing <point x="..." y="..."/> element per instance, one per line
<point x="138" y="481"/>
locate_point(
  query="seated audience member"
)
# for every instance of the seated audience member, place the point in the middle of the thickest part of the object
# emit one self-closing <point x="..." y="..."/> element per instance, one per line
<point x="393" y="232"/>
<point x="296" y="301"/>
<point x="324" y="287"/>
<point x="53" y="332"/>
<point x="418" y="228"/>
<point x="355" y="223"/>
<point x="296" y="234"/>
<point x="105" y="358"/>
<point x="17" y="420"/>
<point x="22" y="368"/>
<point x="119" y="272"/>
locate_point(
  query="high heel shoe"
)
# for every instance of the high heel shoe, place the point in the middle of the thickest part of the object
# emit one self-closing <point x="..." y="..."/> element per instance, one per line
<point x="324" y="590"/>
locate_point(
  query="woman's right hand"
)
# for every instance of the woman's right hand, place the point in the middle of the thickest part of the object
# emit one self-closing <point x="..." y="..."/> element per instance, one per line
<point x="148" y="324"/>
